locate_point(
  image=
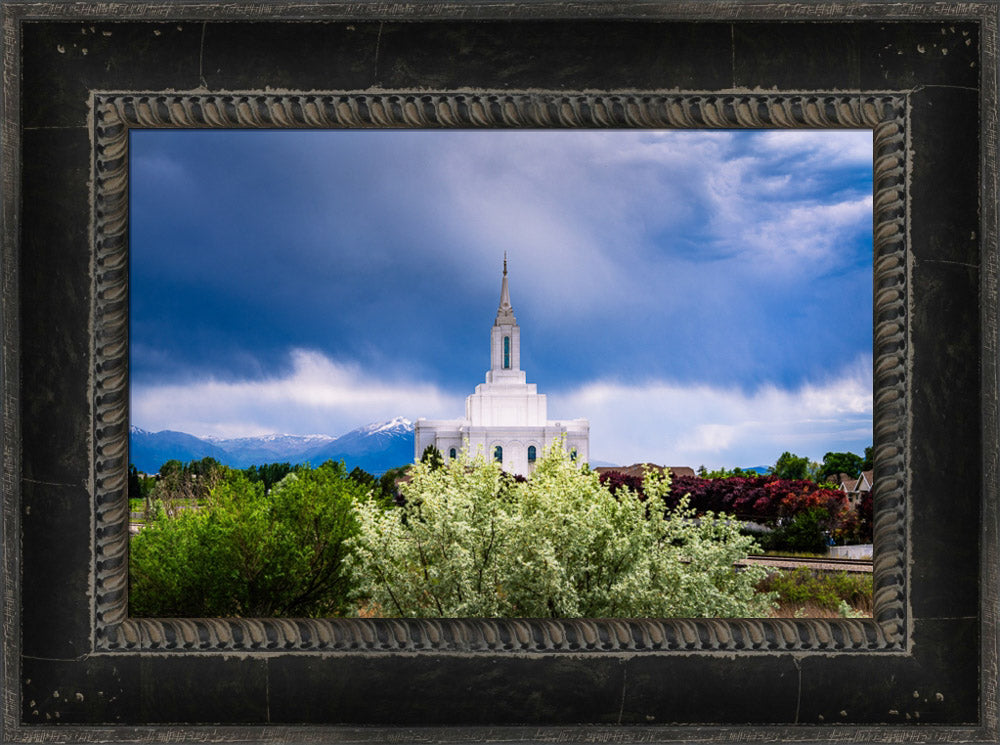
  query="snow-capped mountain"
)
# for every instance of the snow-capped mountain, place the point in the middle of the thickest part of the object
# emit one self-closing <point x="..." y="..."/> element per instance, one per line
<point x="150" y="450"/>
<point x="375" y="448"/>
<point x="272" y="448"/>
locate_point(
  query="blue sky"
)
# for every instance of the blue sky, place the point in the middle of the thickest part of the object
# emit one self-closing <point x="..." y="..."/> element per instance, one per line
<point x="703" y="297"/>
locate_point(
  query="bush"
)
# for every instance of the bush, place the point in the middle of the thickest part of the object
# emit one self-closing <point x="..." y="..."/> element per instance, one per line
<point x="824" y="589"/>
<point x="769" y="499"/>
<point x="471" y="541"/>
<point x="250" y="553"/>
<point x="807" y="532"/>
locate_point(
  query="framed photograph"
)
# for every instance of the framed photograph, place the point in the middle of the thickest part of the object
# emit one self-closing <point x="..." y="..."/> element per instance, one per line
<point x="88" y="86"/>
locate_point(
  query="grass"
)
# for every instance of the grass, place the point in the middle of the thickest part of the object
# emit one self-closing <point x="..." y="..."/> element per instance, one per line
<point x="804" y="592"/>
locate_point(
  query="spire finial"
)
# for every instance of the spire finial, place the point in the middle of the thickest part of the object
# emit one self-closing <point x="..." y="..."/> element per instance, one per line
<point x="505" y="313"/>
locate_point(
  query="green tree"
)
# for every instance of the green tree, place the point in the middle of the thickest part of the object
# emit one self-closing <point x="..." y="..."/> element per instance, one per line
<point x="362" y="478"/>
<point x="837" y="463"/>
<point x="183" y="486"/>
<point x="387" y="491"/>
<point x="269" y="474"/>
<point x="790" y="466"/>
<point x="808" y="532"/>
<point x="432" y="457"/>
<point x="134" y="484"/>
<point x="471" y="541"/>
<point x="868" y="463"/>
<point x="246" y="552"/>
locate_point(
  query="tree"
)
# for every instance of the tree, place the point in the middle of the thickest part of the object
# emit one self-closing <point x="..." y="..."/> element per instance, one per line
<point x="808" y="531"/>
<point x="182" y="486"/>
<point x="246" y="552"/>
<point x="869" y="461"/>
<point x="269" y="474"/>
<point x="432" y="457"/>
<point x="470" y="541"/>
<point x="791" y="466"/>
<point x="387" y="491"/>
<point x="837" y="463"/>
<point x="134" y="485"/>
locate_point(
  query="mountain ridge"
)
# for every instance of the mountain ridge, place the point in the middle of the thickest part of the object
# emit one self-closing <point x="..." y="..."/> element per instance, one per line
<point x="374" y="447"/>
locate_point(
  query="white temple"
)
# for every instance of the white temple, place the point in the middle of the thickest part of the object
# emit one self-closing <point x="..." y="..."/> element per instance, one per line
<point x="506" y="417"/>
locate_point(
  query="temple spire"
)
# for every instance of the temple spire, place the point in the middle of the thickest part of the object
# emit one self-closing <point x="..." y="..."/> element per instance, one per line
<point x="505" y="313"/>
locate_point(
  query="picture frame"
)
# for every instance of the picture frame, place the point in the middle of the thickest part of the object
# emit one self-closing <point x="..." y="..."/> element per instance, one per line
<point x="78" y="76"/>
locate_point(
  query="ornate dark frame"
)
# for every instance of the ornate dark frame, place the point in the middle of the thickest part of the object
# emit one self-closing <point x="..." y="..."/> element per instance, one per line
<point x="116" y="114"/>
<point x="928" y="660"/>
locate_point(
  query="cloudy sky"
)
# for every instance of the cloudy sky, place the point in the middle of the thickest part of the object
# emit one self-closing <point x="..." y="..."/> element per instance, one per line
<point x="703" y="297"/>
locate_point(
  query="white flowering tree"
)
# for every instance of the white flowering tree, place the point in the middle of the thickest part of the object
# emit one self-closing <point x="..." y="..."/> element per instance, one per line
<point x="471" y="541"/>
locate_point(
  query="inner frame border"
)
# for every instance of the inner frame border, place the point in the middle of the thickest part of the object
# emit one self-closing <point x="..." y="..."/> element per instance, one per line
<point x="114" y="114"/>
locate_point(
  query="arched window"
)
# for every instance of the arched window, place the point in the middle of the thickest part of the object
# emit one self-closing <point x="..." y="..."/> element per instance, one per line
<point x="506" y="353"/>
<point x="531" y="453"/>
<point x="452" y="454"/>
<point x="498" y="454"/>
<point x="572" y="454"/>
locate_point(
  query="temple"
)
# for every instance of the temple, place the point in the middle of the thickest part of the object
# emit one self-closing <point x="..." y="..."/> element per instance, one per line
<point x="506" y="417"/>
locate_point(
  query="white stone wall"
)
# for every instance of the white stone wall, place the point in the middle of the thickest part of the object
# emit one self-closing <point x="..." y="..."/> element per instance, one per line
<point x="497" y="405"/>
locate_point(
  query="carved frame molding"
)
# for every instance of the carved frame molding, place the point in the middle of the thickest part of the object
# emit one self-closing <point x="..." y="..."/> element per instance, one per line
<point x="114" y="114"/>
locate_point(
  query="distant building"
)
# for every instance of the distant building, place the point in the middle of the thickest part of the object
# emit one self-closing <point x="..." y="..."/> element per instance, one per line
<point x="639" y="469"/>
<point x="506" y="417"/>
<point x="854" y="488"/>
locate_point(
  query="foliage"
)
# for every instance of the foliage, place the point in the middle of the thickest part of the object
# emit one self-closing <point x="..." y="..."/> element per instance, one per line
<point x="432" y="457"/>
<point x="140" y="486"/>
<point x="724" y="473"/>
<point x="472" y="541"/>
<point x="763" y="499"/>
<point x="268" y="474"/>
<point x="794" y="467"/>
<point x="382" y="488"/>
<point x="247" y="552"/>
<point x="837" y="463"/>
<point x="613" y="481"/>
<point x="869" y="461"/>
<point x="183" y="486"/>
<point x="771" y="500"/>
<point x="388" y="492"/>
<point x="866" y="518"/>
<point x="807" y="531"/>
<point x="825" y="589"/>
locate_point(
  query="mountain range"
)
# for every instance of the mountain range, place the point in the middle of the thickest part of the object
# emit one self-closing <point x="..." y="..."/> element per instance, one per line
<point x="375" y="448"/>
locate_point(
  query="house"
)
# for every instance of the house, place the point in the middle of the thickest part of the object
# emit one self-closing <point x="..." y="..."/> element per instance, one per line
<point x="637" y="469"/>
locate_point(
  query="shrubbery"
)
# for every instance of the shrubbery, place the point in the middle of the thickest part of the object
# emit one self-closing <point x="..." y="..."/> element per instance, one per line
<point x="470" y="540"/>
<point x="248" y="552"/>
<point x="826" y="590"/>
<point x="807" y="532"/>
<point x="765" y="499"/>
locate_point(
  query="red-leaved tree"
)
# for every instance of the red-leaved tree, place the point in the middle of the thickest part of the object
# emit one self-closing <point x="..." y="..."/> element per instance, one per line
<point x="763" y="499"/>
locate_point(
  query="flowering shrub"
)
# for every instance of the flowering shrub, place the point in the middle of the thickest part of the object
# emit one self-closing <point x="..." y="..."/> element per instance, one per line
<point x="470" y="541"/>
